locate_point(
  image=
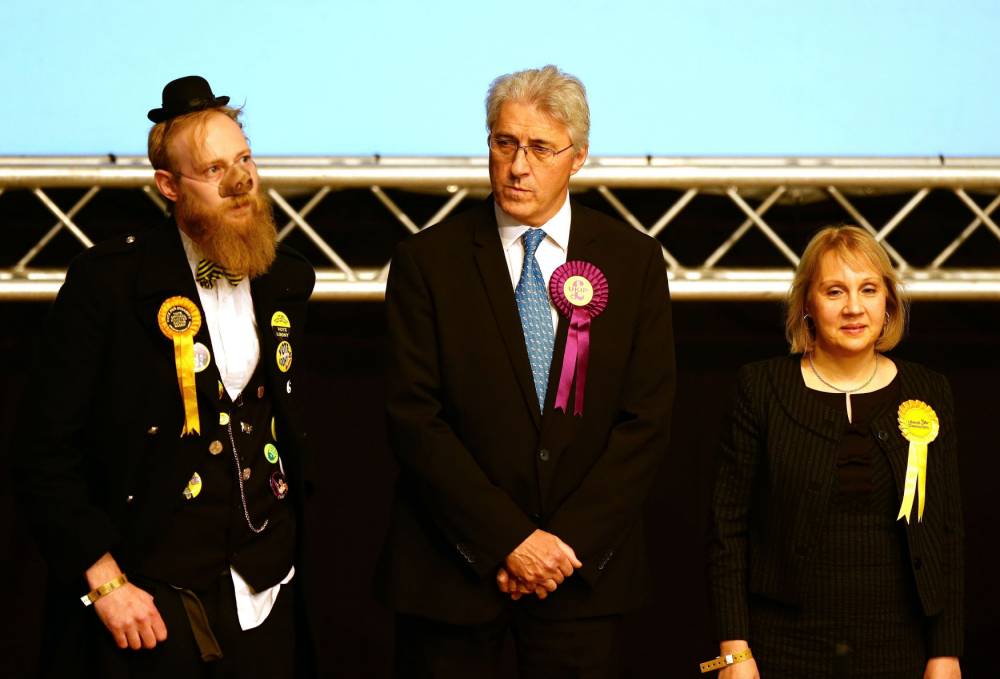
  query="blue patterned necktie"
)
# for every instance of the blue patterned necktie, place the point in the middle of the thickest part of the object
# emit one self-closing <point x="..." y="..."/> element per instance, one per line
<point x="536" y="318"/>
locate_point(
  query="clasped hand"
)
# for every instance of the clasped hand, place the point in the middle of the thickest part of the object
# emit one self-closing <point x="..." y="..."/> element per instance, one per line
<point x="537" y="566"/>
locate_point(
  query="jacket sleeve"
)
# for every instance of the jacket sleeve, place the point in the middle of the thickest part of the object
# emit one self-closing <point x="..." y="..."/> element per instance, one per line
<point x="56" y="464"/>
<point x="476" y="516"/>
<point x="946" y="631"/>
<point x="739" y="455"/>
<point x="597" y="517"/>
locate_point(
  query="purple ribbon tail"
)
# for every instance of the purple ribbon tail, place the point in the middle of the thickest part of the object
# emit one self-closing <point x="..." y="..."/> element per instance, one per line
<point x="582" y="361"/>
<point x="568" y="366"/>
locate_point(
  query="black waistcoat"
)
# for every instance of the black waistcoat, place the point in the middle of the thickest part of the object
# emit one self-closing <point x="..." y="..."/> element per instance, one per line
<point x="218" y="523"/>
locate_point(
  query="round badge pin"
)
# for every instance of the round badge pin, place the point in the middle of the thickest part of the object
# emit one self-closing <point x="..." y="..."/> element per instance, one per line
<point x="284" y="356"/>
<point x="280" y="325"/>
<point x="271" y="453"/>
<point x="193" y="487"/>
<point x="223" y="419"/>
<point x="179" y="316"/>
<point x="278" y="485"/>
<point x="202" y="357"/>
<point x="274" y="435"/>
<point x="578" y="290"/>
<point x="215" y="447"/>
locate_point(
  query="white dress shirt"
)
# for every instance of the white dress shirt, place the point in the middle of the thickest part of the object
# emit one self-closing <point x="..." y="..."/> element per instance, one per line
<point x="551" y="252"/>
<point x="232" y="326"/>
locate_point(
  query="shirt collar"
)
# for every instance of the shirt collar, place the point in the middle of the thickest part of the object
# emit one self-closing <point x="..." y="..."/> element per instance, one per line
<point x="194" y="258"/>
<point x="556" y="229"/>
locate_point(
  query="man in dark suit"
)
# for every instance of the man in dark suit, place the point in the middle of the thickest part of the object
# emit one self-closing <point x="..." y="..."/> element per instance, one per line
<point x="519" y="503"/>
<point x="161" y="459"/>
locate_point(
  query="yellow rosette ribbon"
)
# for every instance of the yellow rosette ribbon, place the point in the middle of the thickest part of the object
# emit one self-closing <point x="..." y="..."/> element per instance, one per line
<point x="180" y="320"/>
<point x="919" y="424"/>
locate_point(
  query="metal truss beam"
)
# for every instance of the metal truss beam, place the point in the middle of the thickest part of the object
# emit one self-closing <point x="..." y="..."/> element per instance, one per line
<point x="752" y="185"/>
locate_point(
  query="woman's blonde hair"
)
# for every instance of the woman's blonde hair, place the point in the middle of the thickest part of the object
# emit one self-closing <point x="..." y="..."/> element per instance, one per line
<point x="855" y="246"/>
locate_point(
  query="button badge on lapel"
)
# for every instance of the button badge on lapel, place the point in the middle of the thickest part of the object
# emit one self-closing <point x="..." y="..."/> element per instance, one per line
<point x="202" y="357"/>
<point x="280" y="325"/>
<point x="283" y="356"/>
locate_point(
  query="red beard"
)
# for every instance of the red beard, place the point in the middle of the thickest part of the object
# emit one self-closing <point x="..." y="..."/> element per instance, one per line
<point x="244" y="244"/>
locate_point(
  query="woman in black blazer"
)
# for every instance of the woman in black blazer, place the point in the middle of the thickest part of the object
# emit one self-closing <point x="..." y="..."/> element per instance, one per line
<point x="834" y="553"/>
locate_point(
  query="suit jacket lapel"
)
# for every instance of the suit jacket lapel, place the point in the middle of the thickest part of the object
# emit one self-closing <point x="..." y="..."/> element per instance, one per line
<point x="897" y="448"/>
<point x="793" y="396"/>
<point x="265" y="303"/>
<point x="583" y="245"/>
<point x="165" y="273"/>
<point x="273" y="292"/>
<point x="488" y="253"/>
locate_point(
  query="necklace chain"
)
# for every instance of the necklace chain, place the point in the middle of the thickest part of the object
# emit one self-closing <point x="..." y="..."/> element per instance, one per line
<point x="812" y="366"/>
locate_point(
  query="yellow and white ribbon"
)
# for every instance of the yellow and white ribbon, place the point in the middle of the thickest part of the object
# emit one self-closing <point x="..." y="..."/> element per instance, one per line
<point x="919" y="424"/>
<point x="180" y="320"/>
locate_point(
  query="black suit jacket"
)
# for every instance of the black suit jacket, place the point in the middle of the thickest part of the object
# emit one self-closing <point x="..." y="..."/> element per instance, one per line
<point x="481" y="466"/>
<point x="776" y="479"/>
<point x="102" y="462"/>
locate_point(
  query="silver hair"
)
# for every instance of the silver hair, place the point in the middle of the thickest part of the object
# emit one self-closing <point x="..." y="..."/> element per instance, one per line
<point x="554" y="92"/>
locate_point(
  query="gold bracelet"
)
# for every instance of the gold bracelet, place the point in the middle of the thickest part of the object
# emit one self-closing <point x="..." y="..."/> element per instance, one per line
<point x="105" y="589"/>
<point x="724" y="661"/>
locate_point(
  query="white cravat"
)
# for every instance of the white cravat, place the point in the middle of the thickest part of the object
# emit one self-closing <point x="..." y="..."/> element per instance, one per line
<point x="551" y="252"/>
<point x="232" y="326"/>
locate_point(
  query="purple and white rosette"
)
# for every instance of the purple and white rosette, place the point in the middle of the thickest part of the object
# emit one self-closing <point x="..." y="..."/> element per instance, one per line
<point x="579" y="291"/>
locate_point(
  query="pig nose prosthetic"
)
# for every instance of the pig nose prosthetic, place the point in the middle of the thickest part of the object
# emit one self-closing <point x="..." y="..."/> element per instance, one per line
<point x="235" y="182"/>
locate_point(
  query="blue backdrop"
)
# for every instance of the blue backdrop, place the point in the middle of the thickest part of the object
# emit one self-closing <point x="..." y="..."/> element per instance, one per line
<point x="665" y="77"/>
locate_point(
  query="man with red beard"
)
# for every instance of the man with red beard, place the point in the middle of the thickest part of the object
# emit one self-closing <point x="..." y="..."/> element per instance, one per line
<point x="161" y="446"/>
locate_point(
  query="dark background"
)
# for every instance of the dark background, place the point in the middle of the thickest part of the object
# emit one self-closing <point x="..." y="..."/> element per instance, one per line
<point x="355" y="471"/>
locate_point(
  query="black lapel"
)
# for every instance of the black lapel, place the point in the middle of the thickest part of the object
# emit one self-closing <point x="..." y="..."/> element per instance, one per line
<point x="283" y="289"/>
<point x="793" y="396"/>
<point x="265" y="303"/>
<point x="496" y="281"/>
<point x="583" y="245"/>
<point x="897" y="448"/>
<point x="165" y="273"/>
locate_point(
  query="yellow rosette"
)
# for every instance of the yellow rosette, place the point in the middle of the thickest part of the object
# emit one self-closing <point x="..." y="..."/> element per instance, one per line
<point x="180" y="320"/>
<point x="919" y="424"/>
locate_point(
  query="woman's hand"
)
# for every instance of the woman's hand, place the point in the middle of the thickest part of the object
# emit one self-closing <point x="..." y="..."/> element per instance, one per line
<point x="943" y="668"/>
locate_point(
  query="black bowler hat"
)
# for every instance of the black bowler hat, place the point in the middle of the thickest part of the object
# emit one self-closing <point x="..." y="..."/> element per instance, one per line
<point x="186" y="95"/>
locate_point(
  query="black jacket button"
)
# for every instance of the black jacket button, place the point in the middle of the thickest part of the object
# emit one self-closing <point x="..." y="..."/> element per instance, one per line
<point x="882" y="436"/>
<point x="543" y="454"/>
